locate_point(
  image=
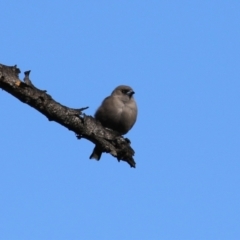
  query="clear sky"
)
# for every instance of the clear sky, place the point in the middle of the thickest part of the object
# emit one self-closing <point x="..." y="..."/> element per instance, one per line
<point x="182" y="59"/>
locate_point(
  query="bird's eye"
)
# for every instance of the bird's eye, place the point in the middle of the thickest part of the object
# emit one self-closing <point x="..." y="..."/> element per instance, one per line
<point x="124" y="91"/>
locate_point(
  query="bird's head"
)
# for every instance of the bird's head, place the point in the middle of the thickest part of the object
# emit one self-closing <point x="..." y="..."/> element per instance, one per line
<point x="124" y="91"/>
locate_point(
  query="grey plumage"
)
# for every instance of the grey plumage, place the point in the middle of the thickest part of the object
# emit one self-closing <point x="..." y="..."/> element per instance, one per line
<point x="117" y="112"/>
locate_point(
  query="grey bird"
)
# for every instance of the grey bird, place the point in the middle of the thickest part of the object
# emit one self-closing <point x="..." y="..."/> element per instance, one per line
<point x="117" y="112"/>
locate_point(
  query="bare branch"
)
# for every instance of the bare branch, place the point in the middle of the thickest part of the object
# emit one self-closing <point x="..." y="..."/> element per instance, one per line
<point x="84" y="126"/>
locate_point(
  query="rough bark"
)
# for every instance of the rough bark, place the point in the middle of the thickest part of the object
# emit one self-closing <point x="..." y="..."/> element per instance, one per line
<point x="74" y="119"/>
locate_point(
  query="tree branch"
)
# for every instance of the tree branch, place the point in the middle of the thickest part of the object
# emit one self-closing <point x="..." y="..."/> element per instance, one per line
<point x="84" y="126"/>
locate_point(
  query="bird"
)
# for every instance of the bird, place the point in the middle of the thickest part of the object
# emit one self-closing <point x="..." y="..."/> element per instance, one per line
<point x="117" y="112"/>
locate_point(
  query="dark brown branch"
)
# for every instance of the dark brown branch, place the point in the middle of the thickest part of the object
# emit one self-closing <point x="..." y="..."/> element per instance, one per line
<point x="84" y="126"/>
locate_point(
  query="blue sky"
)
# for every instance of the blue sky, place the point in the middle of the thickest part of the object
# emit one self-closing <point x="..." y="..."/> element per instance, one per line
<point x="182" y="59"/>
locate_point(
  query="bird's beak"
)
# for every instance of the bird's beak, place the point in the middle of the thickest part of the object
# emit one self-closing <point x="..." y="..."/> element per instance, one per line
<point x="130" y="93"/>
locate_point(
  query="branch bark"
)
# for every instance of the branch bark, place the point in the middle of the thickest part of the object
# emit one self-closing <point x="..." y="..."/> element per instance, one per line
<point x="75" y="120"/>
